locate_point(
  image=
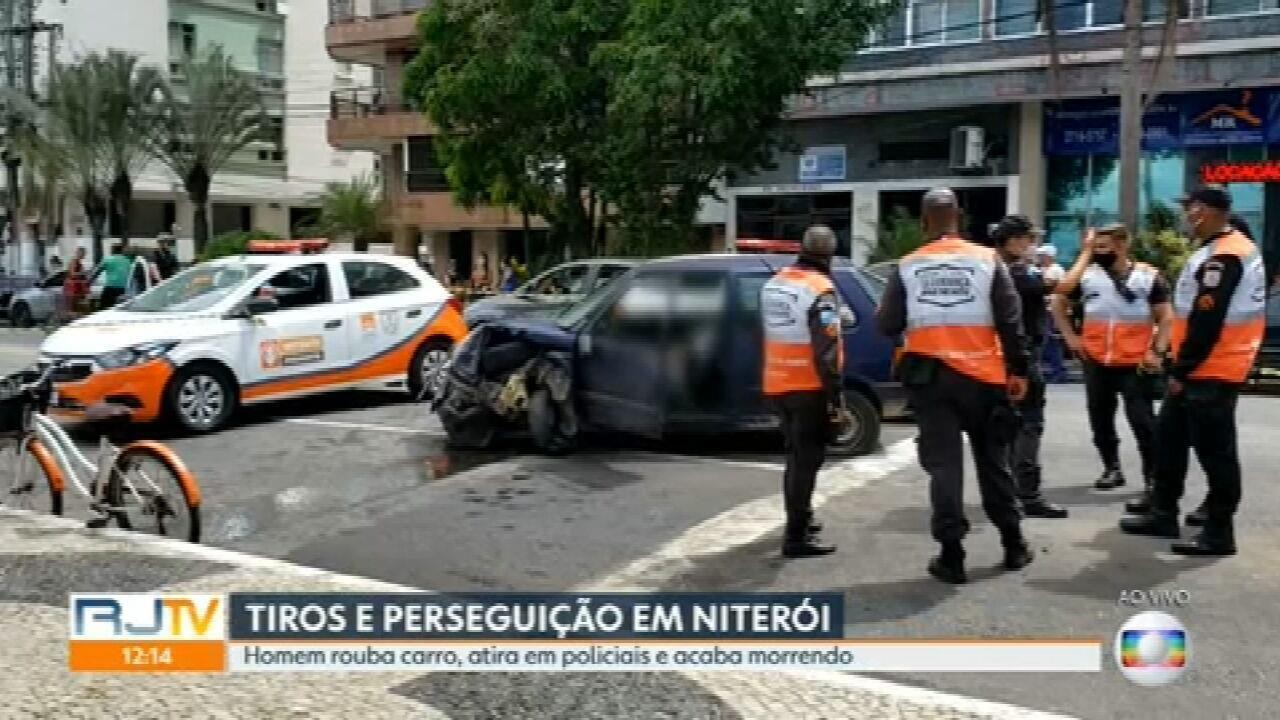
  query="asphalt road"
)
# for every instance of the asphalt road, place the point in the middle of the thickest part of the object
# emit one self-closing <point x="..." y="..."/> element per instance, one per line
<point x="360" y="483"/>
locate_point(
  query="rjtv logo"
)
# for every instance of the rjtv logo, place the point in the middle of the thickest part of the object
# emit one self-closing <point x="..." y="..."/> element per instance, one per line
<point x="946" y="285"/>
<point x="147" y="616"/>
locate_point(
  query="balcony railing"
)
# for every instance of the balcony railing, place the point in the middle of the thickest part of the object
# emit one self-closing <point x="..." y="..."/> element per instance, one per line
<point x="341" y="11"/>
<point x="364" y="102"/>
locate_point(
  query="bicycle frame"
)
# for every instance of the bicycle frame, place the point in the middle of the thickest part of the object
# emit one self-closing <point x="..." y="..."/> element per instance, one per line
<point x="67" y="456"/>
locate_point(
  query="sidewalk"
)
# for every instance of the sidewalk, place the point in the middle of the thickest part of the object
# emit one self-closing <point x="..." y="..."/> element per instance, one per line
<point x="45" y="558"/>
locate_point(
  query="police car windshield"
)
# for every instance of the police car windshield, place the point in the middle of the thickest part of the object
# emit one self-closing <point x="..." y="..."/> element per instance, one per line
<point x="194" y="290"/>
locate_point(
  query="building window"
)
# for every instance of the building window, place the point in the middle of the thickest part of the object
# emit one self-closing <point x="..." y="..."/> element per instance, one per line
<point x="270" y="57"/>
<point x="930" y="22"/>
<point x="1023" y="17"/>
<point x="1239" y="7"/>
<point x="267" y="6"/>
<point x="422" y="169"/>
<point x="182" y="41"/>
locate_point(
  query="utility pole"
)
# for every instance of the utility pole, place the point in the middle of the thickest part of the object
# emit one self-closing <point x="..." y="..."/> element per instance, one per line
<point x="1131" y="110"/>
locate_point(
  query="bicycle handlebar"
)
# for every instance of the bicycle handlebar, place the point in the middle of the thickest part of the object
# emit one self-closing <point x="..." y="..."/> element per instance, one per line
<point x="44" y="376"/>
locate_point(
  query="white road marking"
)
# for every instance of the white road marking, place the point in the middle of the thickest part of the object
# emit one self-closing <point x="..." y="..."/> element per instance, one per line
<point x="364" y="426"/>
<point x="749" y="464"/>
<point x="746" y="523"/>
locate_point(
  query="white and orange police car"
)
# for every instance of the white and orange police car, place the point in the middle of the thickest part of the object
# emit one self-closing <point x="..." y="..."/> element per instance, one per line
<point x="280" y="321"/>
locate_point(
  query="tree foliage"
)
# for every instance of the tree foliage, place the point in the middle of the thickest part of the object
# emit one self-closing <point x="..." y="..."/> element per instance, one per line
<point x="595" y="111"/>
<point x="211" y="111"/>
<point x="353" y="209"/>
<point x="900" y="234"/>
<point x="129" y="117"/>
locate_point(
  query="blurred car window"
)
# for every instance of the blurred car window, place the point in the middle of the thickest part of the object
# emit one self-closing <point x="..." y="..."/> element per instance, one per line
<point x="609" y="273"/>
<point x="694" y="336"/>
<point x="298" y="287"/>
<point x="1273" y="307"/>
<point x="639" y="314"/>
<point x="367" y="278"/>
<point x="564" y="280"/>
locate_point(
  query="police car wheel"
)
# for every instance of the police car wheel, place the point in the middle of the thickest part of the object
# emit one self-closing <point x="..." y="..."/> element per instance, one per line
<point x="201" y="397"/>
<point x="863" y="434"/>
<point x="426" y="372"/>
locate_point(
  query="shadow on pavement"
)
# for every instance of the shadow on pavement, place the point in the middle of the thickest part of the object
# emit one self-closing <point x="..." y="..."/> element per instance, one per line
<point x="1130" y="562"/>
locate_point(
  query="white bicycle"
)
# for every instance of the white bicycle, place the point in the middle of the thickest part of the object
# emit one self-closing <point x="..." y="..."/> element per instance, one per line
<point x="142" y="486"/>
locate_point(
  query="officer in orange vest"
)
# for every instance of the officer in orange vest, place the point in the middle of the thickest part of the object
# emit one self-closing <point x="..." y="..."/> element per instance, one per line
<point x="803" y="371"/>
<point x="1124" y="335"/>
<point x="1220" y="306"/>
<point x="964" y="358"/>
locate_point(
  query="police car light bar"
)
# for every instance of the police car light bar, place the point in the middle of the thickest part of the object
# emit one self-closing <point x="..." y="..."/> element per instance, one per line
<point x="287" y="247"/>
<point x="760" y="245"/>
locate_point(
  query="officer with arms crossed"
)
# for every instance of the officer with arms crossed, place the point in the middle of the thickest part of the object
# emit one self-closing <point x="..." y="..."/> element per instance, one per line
<point x="1014" y="238"/>
<point x="1124" y="303"/>
<point x="956" y="308"/>
<point x="803" y="367"/>
<point x="1220" y="305"/>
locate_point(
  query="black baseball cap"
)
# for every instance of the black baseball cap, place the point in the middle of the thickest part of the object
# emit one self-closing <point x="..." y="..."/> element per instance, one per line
<point x="1210" y="196"/>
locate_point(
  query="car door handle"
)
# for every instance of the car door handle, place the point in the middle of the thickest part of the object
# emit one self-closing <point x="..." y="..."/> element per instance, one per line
<point x="332" y="324"/>
<point x="414" y="313"/>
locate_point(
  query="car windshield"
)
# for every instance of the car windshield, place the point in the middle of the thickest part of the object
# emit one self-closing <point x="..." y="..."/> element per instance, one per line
<point x="196" y="289"/>
<point x="575" y="313"/>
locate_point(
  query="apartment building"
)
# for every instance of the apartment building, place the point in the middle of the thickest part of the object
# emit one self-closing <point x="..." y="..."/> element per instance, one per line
<point x="960" y="93"/>
<point x="273" y="184"/>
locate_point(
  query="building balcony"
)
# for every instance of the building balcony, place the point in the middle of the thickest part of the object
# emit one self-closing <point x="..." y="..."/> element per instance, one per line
<point x="368" y="119"/>
<point x="362" y="31"/>
<point x="437" y="211"/>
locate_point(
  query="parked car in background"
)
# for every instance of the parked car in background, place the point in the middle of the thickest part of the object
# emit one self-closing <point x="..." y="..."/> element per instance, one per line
<point x="675" y="346"/>
<point x="1266" y="374"/>
<point x="38" y="304"/>
<point x="548" y="293"/>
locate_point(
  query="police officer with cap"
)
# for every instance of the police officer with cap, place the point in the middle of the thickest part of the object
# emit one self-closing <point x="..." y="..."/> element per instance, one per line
<point x="1219" y="321"/>
<point x="964" y="359"/>
<point x="1014" y="239"/>
<point x="803" y="370"/>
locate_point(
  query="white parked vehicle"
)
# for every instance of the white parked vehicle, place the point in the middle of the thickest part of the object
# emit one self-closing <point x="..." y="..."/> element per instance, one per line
<point x="254" y="328"/>
<point x="38" y="304"/>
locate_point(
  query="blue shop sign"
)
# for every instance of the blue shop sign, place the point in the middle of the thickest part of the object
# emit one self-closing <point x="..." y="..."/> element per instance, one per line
<point x="823" y="164"/>
<point x="1226" y="117"/>
<point x="1230" y="117"/>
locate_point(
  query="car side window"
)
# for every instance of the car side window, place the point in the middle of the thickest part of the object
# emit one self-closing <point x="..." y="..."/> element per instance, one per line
<point x="609" y="273"/>
<point x="55" y="280"/>
<point x="748" y="296"/>
<point x="368" y="278"/>
<point x="1273" y="307"/>
<point x="569" y="280"/>
<point x="298" y="287"/>
<point x="638" y="314"/>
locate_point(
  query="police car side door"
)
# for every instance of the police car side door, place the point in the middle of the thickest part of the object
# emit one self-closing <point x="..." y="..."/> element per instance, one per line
<point x="302" y="346"/>
<point x="385" y="309"/>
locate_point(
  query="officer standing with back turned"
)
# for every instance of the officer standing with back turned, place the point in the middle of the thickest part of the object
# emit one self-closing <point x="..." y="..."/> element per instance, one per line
<point x="1219" y="305"/>
<point x="957" y="310"/>
<point x="803" y="363"/>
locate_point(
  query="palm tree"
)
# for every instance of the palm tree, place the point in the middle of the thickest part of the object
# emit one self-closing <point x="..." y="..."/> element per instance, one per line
<point x="210" y="111"/>
<point x="353" y="209"/>
<point x="128" y="121"/>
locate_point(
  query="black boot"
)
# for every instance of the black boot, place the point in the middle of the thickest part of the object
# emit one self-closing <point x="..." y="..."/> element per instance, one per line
<point x="1110" y="479"/>
<point x="807" y="544"/>
<point x="1154" y="524"/>
<point x="1196" y="517"/>
<point x="1142" y="504"/>
<point x="815" y="526"/>
<point x="1038" y="507"/>
<point x="948" y="566"/>
<point x="1017" y="553"/>
<point x="1217" y="539"/>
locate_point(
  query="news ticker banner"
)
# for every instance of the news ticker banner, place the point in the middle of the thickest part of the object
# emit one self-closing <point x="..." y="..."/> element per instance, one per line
<point x="518" y="632"/>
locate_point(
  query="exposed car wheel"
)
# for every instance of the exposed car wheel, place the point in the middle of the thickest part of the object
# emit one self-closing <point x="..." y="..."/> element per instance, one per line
<point x="20" y="315"/>
<point x="863" y="433"/>
<point x="202" y="397"/>
<point x="426" y="372"/>
<point x="546" y="424"/>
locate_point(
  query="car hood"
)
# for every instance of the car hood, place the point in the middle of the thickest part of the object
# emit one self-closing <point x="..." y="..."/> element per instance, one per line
<point x="544" y="334"/>
<point x="111" y="330"/>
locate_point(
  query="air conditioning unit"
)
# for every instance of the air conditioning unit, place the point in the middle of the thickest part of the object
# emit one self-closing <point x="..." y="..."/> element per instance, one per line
<point x="968" y="148"/>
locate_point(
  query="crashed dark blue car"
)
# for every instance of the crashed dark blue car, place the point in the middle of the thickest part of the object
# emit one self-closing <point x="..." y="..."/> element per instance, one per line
<point x="673" y="347"/>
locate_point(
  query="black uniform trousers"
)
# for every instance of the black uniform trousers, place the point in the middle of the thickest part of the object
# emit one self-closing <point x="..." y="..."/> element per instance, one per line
<point x="1203" y="417"/>
<point x="806" y="427"/>
<point x="1024" y="455"/>
<point x="947" y="407"/>
<point x="1102" y="386"/>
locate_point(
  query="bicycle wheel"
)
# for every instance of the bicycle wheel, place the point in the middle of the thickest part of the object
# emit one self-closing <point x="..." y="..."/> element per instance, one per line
<point x="32" y="478"/>
<point x="155" y="491"/>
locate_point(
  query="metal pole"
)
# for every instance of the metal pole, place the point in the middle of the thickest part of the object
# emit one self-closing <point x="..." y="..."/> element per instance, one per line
<point x="1131" y="117"/>
<point x="13" y="199"/>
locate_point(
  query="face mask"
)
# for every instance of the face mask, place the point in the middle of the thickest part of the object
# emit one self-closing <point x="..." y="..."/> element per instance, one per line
<point x="1106" y="260"/>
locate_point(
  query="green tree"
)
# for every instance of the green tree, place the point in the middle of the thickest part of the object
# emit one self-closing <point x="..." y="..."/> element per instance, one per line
<point x="353" y="209"/>
<point x="208" y="112"/>
<point x="604" y="111"/>
<point x="900" y="234"/>
<point x="234" y="243"/>
<point x="129" y="115"/>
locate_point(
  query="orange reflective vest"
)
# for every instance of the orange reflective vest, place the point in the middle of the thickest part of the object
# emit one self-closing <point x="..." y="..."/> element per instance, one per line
<point x="785" y="301"/>
<point x="1116" y="332"/>
<point x="1232" y="357"/>
<point x="949" y="313"/>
